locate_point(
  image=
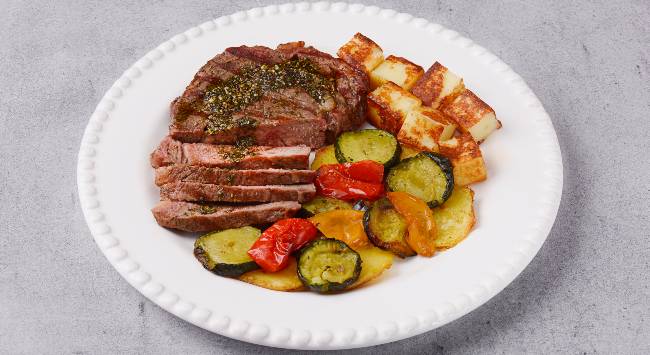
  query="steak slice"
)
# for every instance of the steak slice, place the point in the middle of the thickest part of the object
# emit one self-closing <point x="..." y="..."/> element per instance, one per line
<point x="193" y="217"/>
<point x="293" y="120"/>
<point x="219" y="176"/>
<point x="194" y="191"/>
<point x="171" y="152"/>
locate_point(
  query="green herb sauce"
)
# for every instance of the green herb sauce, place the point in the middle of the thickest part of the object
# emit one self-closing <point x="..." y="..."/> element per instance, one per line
<point x="232" y="95"/>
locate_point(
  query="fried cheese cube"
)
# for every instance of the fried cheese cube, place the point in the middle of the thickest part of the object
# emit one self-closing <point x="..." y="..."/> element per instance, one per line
<point x="437" y="85"/>
<point x="466" y="159"/>
<point x="472" y="115"/>
<point x="425" y="127"/>
<point x="398" y="70"/>
<point x="388" y="106"/>
<point x="361" y="52"/>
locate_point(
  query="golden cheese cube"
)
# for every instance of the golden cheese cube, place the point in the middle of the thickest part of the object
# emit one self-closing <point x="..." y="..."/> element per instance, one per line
<point x="472" y="115"/>
<point x="388" y="106"/>
<point x="361" y="52"/>
<point x="398" y="70"/>
<point x="466" y="159"/>
<point x="424" y="127"/>
<point x="437" y="85"/>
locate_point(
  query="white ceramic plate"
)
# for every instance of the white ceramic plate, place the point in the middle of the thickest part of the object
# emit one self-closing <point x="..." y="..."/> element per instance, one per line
<point x="516" y="207"/>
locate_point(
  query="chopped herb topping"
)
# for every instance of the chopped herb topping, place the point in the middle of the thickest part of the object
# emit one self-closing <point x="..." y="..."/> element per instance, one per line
<point x="206" y="209"/>
<point x="232" y="95"/>
<point x="240" y="150"/>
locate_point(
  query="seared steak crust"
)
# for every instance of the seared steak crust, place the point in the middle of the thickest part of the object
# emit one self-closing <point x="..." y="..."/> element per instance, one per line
<point x="193" y="191"/>
<point x="171" y="151"/>
<point x="193" y="217"/>
<point x="283" y="119"/>
<point x="219" y="176"/>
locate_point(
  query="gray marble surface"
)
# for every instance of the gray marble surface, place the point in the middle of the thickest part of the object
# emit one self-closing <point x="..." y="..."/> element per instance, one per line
<point x="587" y="291"/>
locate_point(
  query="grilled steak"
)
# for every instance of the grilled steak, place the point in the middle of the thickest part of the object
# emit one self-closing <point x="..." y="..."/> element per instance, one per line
<point x="193" y="191"/>
<point x="171" y="151"/>
<point x="207" y="175"/>
<point x="287" y="96"/>
<point x="198" y="218"/>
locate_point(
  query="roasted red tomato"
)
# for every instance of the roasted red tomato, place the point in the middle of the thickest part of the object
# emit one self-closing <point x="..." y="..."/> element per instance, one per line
<point x="271" y="251"/>
<point x="351" y="181"/>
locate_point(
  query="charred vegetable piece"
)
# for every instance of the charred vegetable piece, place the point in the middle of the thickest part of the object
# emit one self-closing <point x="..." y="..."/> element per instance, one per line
<point x="386" y="228"/>
<point x="344" y="225"/>
<point x="368" y="144"/>
<point x="455" y="218"/>
<point x="271" y="251"/>
<point x="421" y="223"/>
<point x="361" y="205"/>
<point x="324" y="156"/>
<point x="322" y="204"/>
<point x="283" y="280"/>
<point x="374" y="262"/>
<point x="328" y="265"/>
<point x="225" y="252"/>
<point x="351" y="181"/>
<point x="428" y="176"/>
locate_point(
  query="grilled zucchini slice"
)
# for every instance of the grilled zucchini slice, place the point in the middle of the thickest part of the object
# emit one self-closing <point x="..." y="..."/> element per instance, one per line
<point x="226" y="252"/>
<point x="328" y="265"/>
<point x="368" y="144"/>
<point x="322" y="204"/>
<point x="386" y="228"/>
<point x="427" y="175"/>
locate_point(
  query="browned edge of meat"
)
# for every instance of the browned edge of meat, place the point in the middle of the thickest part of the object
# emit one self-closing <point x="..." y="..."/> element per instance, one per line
<point x="192" y="191"/>
<point x="192" y="217"/>
<point x="281" y="120"/>
<point x="171" y="152"/>
<point x="207" y="175"/>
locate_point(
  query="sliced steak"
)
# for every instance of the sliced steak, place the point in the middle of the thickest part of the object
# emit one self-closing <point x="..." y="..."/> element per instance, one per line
<point x="171" y="152"/>
<point x="193" y="217"/>
<point x="193" y="191"/>
<point x="292" y="119"/>
<point x="219" y="176"/>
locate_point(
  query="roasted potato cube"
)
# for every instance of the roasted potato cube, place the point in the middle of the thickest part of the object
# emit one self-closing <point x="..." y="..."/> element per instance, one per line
<point x="472" y="115"/>
<point x="398" y="70"/>
<point x="388" y="106"/>
<point x="437" y="85"/>
<point x="361" y="52"/>
<point x="424" y="127"/>
<point x="466" y="159"/>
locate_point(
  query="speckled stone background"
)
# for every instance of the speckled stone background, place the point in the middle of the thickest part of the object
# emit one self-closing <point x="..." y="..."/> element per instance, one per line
<point x="587" y="291"/>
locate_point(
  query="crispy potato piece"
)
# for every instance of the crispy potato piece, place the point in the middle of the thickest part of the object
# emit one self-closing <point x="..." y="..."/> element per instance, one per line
<point x="425" y="127"/>
<point x="437" y="85"/>
<point x="388" y="106"/>
<point x="472" y="115"/>
<point x="361" y="52"/>
<point x="324" y="156"/>
<point x="408" y="151"/>
<point x="466" y="159"/>
<point x="374" y="262"/>
<point x="455" y="218"/>
<point x="398" y="70"/>
<point x="283" y="280"/>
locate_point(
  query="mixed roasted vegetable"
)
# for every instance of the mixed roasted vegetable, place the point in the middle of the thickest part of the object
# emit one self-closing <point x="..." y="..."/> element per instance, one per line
<point x="372" y="204"/>
<point x="398" y="190"/>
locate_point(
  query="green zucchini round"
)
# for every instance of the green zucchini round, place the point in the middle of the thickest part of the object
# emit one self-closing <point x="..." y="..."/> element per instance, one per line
<point x="328" y="265"/>
<point x="427" y="175"/>
<point x="322" y="204"/>
<point x="367" y="144"/>
<point x="226" y="252"/>
<point x="386" y="228"/>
